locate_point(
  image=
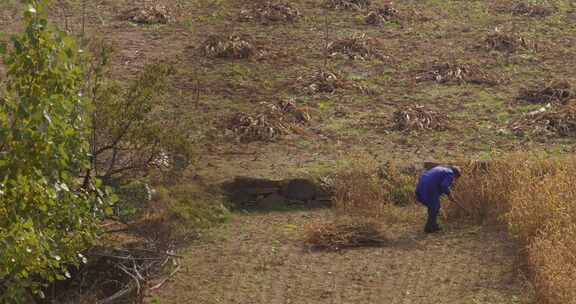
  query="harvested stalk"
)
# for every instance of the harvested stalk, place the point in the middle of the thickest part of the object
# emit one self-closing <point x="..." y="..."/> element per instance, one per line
<point x="418" y="118"/>
<point x="270" y="12"/>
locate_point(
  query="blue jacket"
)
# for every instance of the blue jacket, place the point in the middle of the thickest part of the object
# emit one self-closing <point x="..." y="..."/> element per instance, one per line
<point x="433" y="183"/>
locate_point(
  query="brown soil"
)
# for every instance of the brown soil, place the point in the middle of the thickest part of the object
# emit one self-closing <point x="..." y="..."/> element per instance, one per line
<point x="261" y="259"/>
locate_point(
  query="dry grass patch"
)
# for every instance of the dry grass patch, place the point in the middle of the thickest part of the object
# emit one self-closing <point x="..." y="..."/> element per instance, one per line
<point x="229" y="47"/>
<point x="270" y="124"/>
<point x="356" y="47"/>
<point x="270" y="12"/>
<point x="347" y="4"/>
<point x="344" y="232"/>
<point x="419" y="118"/>
<point x="456" y="73"/>
<point x="534" y="196"/>
<point x="507" y="43"/>
<point x="548" y="123"/>
<point x="553" y="262"/>
<point x="542" y="199"/>
<point x="483" y="191"/>
<point x="555" y="92"/>
<point x="149" y="13"/>
<point x="542" y="216"/>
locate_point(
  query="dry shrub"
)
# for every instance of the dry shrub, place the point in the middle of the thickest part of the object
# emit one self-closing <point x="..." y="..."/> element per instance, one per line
<point x="358" y="189"/>
<point x="270" y="12"/>
<point x="258" y="127"/>
<point x="555" y="92"/>
<point x="113" y="275"/>
<point x="347" y="4"/>
<point x="270" y="124"/>
<point x="356" y="47"/>
<point x="149" y="14"/>
<point x="344" y="232"/>
<point x="398" y="185"/>
<point x="419" y="118"/>
<point x="231" y="47"/>
<point x="381" y="15"/>
<point x="456" y="73"/>
<point x="523" y="8"/>
<point x="365" y="187"/>
<point x="507" y="43"/>
<point x="559" y="122"/>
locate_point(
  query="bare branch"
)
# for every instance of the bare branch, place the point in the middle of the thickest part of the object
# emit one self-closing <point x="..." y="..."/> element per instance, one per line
<point x="166" y="278"/>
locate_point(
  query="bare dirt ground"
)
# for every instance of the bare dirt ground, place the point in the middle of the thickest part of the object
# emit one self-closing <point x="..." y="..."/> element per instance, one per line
<point x="259" y="258"/>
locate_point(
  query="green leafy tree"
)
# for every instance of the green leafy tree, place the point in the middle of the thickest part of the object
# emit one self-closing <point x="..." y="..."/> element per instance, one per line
<point x="46" y="217"/>
<point x="133" y="129"/>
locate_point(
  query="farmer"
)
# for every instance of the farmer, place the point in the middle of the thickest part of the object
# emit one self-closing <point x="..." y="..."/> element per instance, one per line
<point x="431" y="185"/>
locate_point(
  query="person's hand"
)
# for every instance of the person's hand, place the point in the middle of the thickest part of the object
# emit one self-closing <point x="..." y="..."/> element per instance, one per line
<point x="453" y="200"/>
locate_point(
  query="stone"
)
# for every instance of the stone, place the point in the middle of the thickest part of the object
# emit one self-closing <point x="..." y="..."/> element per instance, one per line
<point x="246" y="190"/>
<point x="300" y="190"/>
<point x="271" y="201"/>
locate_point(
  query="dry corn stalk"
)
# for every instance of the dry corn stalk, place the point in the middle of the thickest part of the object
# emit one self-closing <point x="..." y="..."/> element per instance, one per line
<point x="149" y="14"/>
<point x="340" y="234"/>
<point x="270" y="12"/>
<point x="382" y="15"/>
<point x="323" y="81"/>
<point x="561" y="122"/>
<point x="418" y="118"/>
<point x="531" y="9"/>
<point x="275" y="121"/>
<point x="456" y="73"/>
<point x="555" y="92"/>
<point x="355" y="47"/>
<point x="232" y="47"/>
<point x="347" y="4"/>
<point x="522" y="8"/>
<point x="508" y="43"/>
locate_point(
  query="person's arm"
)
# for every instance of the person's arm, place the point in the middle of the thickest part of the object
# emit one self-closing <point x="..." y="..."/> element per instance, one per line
<point x="445" y="185"/>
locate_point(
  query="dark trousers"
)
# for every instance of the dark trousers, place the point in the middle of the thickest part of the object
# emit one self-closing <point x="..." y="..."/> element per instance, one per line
<point x="433" y="210"/>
